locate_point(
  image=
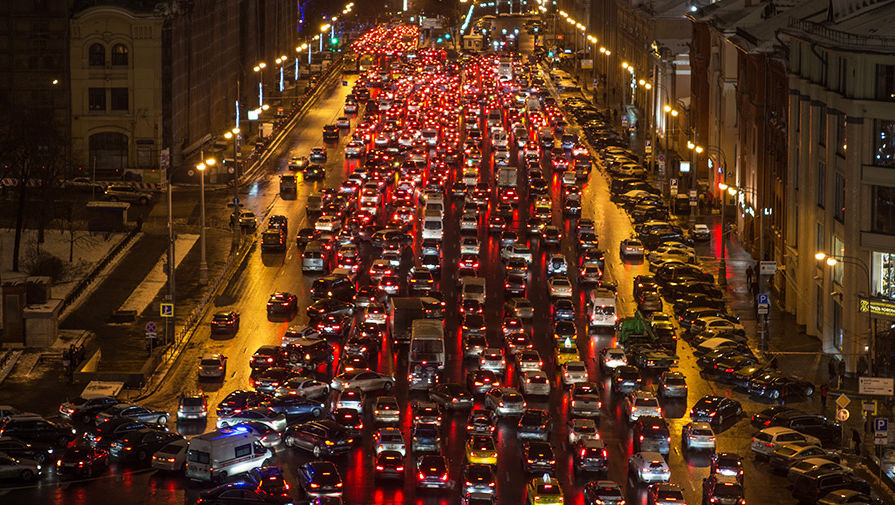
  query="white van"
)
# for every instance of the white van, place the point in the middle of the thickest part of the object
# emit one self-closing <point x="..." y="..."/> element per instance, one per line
<point x="602" y="308"/>
<point x="313" y="258"/>
<point x="473" y="289"/>
<point x="434" y="206"/>
<point x="222" y="453"/>
<point x="433" y="225"/>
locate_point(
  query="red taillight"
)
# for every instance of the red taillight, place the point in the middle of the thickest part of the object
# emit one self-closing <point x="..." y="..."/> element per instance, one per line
<point x="422" y="476"/>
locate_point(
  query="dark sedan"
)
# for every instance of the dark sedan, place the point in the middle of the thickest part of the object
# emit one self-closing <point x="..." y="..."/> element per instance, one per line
<point x="296" y="407"/>
<point x="715" y="410"/>
<point x="451" y="396"/>
<point x="82" y="461"/>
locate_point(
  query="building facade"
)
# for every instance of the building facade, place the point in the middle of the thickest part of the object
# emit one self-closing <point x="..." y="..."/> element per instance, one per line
<point x="841" y="73"/>
<point x="116" y="93"/>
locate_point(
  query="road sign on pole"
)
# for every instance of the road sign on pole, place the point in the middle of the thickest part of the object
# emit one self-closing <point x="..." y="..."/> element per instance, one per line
<point x="880" y="431"/>
<point x="150" y="327"/>
<point x="842" y="401"/>
<point x="166" y="309"/>
<point x="842" y="415"/>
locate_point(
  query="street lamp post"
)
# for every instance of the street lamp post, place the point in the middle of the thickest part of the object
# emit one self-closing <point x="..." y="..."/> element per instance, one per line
<point x="831" y="260"/>
<point x="203" y="265"/>
<point x="323" y="29"/>
<point x="234" y="134"/>
<point x="722" y="265"/>
<point x="693" y="189"/>
<point x="259" y="68"/>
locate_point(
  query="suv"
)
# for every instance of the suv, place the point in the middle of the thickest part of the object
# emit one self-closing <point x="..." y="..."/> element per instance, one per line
<point x="814" y="485"/>
<point x="126" y="193"/>
<point x="322" y="438"/>
<point x="32" y="428"/>
<point x="308" y="353"/>
<point x="651" y="434"/>
<point x="83" y="409"/>
<point x="642" y="403"/>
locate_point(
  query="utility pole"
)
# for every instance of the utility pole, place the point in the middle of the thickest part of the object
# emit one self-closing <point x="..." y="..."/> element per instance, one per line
<point x="169" y="321"/>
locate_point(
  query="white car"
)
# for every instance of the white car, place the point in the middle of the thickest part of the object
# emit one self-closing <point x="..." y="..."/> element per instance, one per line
<point x="390" y="439"/>
<point x="648" y="467"/>
<point x="469" y="222"/>
<point x="492" y="359"/>
<point x="557" y="265"/>
<point x="501" y="155"/>
<point x="375" y="313"/>
<point x="667" y="252"/>
<point x="569" y="178"/>
<point x="355" y="149"/>
<point x="582" y="429"/>
<point x="303" y="387"/>
<point x="379" y="269"/>
<point x="528" y="360"/>
<point x="642" y="403"/>
<point x="573" y="372"/>
<point x="386" y="410"/>
<point x="516" y="251"/>
<point x="263" y="415"/>
<point x="698" y="435"/>
<point x="351" y="399"/>
<point x="369" y="197"/>
<point x="19" y="468"/>
<point x="631" y="247"/>
<point x="613" y="358"/>
<point x="766" y="441"/>
<point x="171" y="457"/>
<point x="470" y="245"/>
<point x="701" y="232"/>
<point x="560" y="287"/>
<point x="505" y="401"/>
<point x="584" y="400"/>
<point x="328" y="223"/>
<point x="535" y="383"/>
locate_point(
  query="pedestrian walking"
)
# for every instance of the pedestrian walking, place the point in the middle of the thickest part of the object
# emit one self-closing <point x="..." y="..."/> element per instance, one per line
<point x="824" y="392"/>
<point x="856" y="441"/>
<point x="749" y="274"/>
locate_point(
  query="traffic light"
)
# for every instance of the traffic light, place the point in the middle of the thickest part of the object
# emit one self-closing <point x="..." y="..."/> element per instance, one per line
<point x="334" y="41"/>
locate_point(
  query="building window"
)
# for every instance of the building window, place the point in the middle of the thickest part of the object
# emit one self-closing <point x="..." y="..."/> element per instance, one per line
<point x="108" y="152"/>
<point x="119" y="99"/>
<point x="882" y="272"/>
<point x="819" y="308"/>
<point x="819" y="240"/>
<point x="839" y="197"/>
<point x="883" y="215"/>
<point x="119" y="55"/>
<point x="841" y="134"/>
<point x="884" y="143"/>
<point x="837" y="325"/>
<point x="885" y="83"/>
<point x="96" y="99"/>
<point x="843" y="76"/>
<point x="821" y="183"/>
<point x="97" y="55"/>
<point x="837" y="249"/>
<point x="822" y="126"/>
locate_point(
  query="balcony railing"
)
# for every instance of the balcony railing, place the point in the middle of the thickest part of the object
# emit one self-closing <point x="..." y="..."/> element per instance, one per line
<point x="843" y="39"/>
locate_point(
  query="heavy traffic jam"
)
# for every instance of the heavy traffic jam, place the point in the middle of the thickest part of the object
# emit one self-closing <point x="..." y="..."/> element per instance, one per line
<point x="467" y="341"/>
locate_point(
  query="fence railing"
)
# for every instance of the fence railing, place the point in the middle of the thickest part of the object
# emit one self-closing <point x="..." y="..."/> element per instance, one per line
<point x="84" y="283"/>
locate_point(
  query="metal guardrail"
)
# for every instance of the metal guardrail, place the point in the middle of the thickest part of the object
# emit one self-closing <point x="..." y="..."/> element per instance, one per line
<point x="78" y="290"/>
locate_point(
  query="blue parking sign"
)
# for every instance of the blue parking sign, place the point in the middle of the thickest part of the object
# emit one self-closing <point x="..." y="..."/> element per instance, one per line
<point x="880" y="424"/>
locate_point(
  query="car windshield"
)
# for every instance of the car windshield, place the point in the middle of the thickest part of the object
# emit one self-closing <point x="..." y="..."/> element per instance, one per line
<point x="210" y="362"/>
<point x="192" y="402"/>
<point x="729" y="490"/>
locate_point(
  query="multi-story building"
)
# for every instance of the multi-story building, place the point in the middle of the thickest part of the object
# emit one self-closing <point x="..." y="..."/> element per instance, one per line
<point x="841" y="132"/>
<point x="116" y="92"/>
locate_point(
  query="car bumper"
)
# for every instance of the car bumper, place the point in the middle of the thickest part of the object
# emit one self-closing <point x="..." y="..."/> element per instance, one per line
<point x="655" y="476"/>
<point x="387" y="418"/>
<point x="585" y="411"/>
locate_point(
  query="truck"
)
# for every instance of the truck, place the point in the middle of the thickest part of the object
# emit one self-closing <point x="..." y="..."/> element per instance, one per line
<point x="427" y="342"/>
<point x="636" y="330"/>
<point x="403" y="311"/>
<point x="507" y="177"/>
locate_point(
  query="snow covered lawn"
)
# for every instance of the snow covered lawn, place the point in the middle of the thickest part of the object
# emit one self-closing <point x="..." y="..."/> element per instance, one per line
<point x="89" y="248"/>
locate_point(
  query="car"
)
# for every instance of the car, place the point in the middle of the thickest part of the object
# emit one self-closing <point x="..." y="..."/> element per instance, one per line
<point x="534" y="383"/>
<point x="225" y="322"/>
<point x="21" y="450"/>
<point x="298" y="163"/>
<point x="365" y="380"/>
<point x="317" y="154"/>
<point x="701" y="232"/>
<point x="320" y="478"/>
<point x="33" y="429"/>
<point x="803" y="467"/>
<point x="672" y="384"/>
<point x="450" y="396"/>
<point x="642" y="403"/>
<point x="603" y="492"/>
<point x="270" y="417"/>
<point x="844" y="496"/>
<point x="763" y="418"/>
<point x="267" y="381"/>
<point x="82" y="409"/>
<point x="425" y="437"/>
<point x="559" y="286"/>
<point x="664" y="494"/>
<point x="631" y="248"/>
<point x="727" y="463"/>
<point x="612" y="358"/>
<point x="127" y="193"/>
<point x="651" y="434"/>
<point x="303" y="387"/>
<point x="481" y="449"/>
<point x="814" y="485"/>
<point x="723" y="490"/>
<point x="516" y="251"/>
<point x="389" y="439"/>
<point x="425" y="412"/>
<point x="698" y="435"/>
<point x="245" y="492"/>
<point x="19" y="468"/>
<point x="538" y="457"/>
<point x="212" y="366"/>
<point x="432" y="472"/>
<point x="81" y="461"/>
<point x="563" y="309"/>
<point x="766" y="441"/>
<point x="239" y="400"/>
<point x="715" y="410"/>
<point x="478" y="480"/>
<point x="544" y="490"/>
<point x="390" y="465"/>
<point x="789" y="454"/>
<point x="493" y="359"/>
<point x="584" y="400"/>
<point x="131" y="411"/>
<point x="171" y="457"/>
<point x="295" y="407"/>
<point x="534" y="424"/>
<point x="648" y="467"/>
<point x="246" y="219"/>
<point x="386" y="410"/>
<point x="582" y="429"/>
<point x="481" y="381"/>
<point x="625" y="379"/>
<point x="282" y="303"/>
<point x="264" y="357"/>
<point x="828" y="431"/>
<point x="504" y="401"/>
<point x="323" y="437"/>
<point x="481" y="421"/>
<point x="138" y="446"/>
<point x="574" y="372"/>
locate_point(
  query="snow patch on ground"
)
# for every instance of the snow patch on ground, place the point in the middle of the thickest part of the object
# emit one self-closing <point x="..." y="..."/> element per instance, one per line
<point x="87" y="250"/>
<point x="149" y="288"/>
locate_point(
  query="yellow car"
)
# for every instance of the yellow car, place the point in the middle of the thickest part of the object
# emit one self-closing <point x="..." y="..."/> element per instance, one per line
<point x="544" y="491"/>
<point x="566" y="353"/>
<point x="481" y="449"/>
